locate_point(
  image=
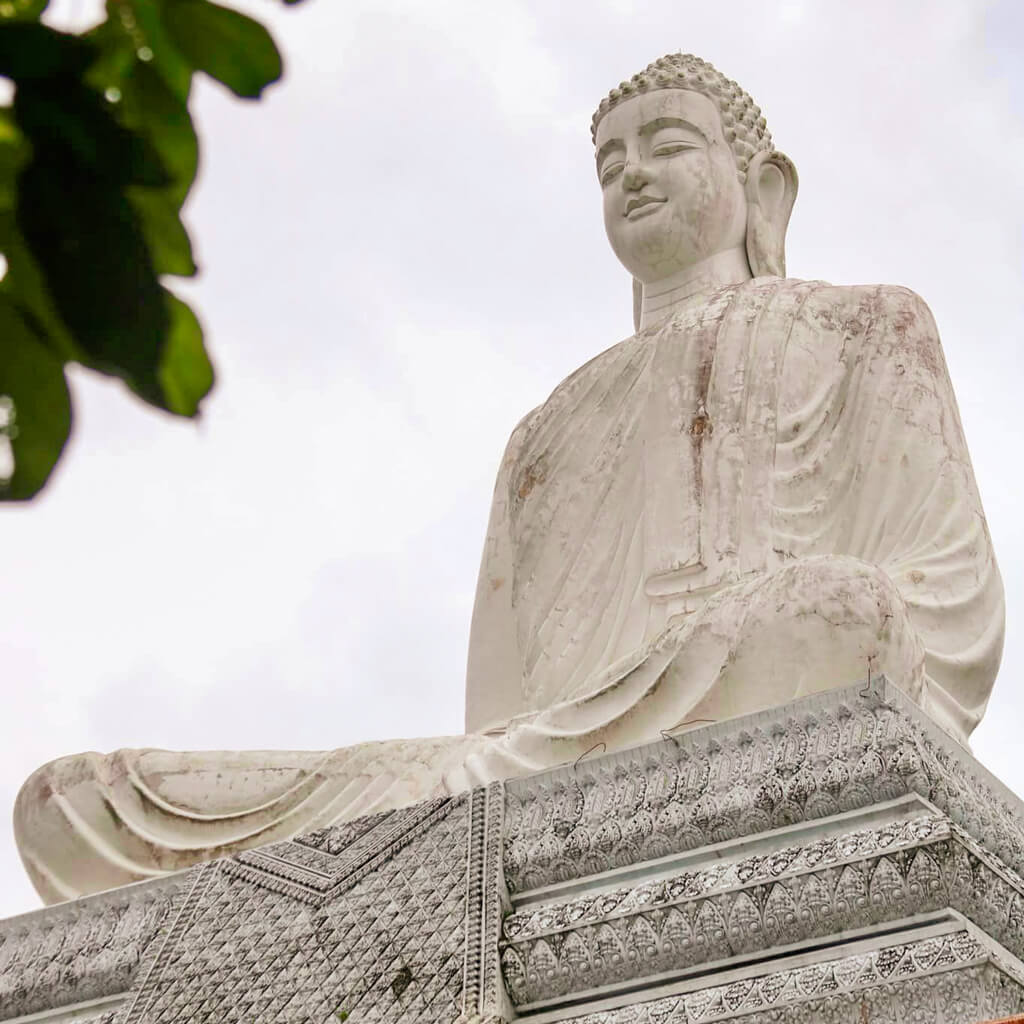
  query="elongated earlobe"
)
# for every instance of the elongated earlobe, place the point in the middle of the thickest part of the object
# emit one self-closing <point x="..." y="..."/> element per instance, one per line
<point x="771" y="191"/>
<point x="638" y="303"/>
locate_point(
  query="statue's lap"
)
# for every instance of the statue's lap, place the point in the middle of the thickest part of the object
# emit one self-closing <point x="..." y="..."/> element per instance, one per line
<point x="91" y="821"/>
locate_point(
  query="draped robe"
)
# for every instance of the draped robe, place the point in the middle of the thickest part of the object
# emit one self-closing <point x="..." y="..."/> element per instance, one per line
<point x="761" y="495"/>
<point x="775" y="421"/>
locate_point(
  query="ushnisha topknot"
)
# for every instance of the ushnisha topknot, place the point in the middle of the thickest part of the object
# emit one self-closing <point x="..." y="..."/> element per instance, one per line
<point x="742" y="123"/>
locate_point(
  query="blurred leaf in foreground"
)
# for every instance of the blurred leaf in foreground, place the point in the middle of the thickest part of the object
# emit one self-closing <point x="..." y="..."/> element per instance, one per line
<point x="97" y="155"/>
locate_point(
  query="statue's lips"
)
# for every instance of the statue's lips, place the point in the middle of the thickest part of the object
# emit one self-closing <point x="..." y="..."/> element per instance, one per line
<point x="641" y="206"/>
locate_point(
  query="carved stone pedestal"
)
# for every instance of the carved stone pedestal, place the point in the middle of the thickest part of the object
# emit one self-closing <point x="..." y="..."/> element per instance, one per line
<point x="838" y="859"/>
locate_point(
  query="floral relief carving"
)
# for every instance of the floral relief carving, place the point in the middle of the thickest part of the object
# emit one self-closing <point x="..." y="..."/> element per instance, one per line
<point x="838" y="752"/>
<point x="835" y="884"/>
<point x="79" y="951"/>
<point x="950" y="979"/>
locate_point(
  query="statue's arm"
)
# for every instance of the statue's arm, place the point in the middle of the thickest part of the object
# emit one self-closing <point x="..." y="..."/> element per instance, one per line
<point x="946" y="566"/>
<point x="494" y="670"/>
<point x="874" y="464"/>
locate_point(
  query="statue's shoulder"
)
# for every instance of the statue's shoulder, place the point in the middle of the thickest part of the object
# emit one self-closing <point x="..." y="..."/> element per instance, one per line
<point x="842" y="326"/>
<point x="565" y="395"/>
<point x="865" y="308"/>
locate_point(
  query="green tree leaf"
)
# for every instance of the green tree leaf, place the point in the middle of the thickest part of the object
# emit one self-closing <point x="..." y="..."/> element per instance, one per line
<point x="150" y="108"/>
<point x="145" y="104"/>
<point x="139" y="25"/>
<point x="24" y="286"/>
<point x="22" y="10"/>
<point x="96" y="159"/>
<point x="185" y="370"/>
<point x="85" y="237"/>
<point x="30" y="51"/>
<point x="68" y="116"/>
<point x="169" y="245"/>
<point x="14" y="151"/>
<point x="228" y="46"/>
<point x="35" y="406"/>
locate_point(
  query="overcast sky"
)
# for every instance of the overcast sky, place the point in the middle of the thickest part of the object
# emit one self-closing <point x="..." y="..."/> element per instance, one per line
<point x="402" y="252"/>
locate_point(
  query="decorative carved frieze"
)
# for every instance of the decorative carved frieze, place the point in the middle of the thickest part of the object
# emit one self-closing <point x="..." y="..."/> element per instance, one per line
<point x="80" y="951"/>
<point x="484" y="999"/>
<point x="816" y="757"/>
<point x="831" y="886"/>
<point x="722" y="876"/>
<point x="950" y="979"/>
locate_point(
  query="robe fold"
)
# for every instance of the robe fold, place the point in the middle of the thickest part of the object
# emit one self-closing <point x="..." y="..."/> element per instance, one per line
<point x="777" y="421"/>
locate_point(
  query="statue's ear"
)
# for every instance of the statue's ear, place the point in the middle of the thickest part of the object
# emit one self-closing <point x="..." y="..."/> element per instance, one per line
<point x="638" y="303"/>
<point x="771" y="192"/>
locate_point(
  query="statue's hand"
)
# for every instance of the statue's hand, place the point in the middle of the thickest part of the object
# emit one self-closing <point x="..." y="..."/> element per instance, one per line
<point x="814" y="624"/>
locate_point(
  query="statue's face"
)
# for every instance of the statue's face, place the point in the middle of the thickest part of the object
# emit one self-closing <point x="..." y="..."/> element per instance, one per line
<point x="672" y="195"/>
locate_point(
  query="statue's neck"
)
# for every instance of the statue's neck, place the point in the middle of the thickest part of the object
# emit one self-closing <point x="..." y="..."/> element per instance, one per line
<point x="719" y="271"/>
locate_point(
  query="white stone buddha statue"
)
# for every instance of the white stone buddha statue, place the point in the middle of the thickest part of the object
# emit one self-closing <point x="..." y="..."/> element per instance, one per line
<point x="762" y="493"/>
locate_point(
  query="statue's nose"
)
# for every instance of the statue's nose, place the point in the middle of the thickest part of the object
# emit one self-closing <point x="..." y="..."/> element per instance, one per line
<point x="635" y="175"/>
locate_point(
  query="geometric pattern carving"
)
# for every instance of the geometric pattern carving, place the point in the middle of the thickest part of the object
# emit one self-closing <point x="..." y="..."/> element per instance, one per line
<point x="319" y="867"/>
<point x="383" y="942"/>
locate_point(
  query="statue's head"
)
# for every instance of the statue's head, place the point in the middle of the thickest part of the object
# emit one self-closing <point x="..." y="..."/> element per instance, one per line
<point x="688" y="170"/>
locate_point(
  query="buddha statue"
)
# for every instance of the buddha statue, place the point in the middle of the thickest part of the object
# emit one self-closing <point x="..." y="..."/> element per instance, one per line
<point x="762" y="493"/>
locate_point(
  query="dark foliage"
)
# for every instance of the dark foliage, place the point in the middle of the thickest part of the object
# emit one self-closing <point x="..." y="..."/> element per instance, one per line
<point x="97" y="155"/>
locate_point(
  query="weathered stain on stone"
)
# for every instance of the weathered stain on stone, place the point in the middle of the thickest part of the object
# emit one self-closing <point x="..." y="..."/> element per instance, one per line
<point x="534" y="474"/>
<point x="401" y="981"/>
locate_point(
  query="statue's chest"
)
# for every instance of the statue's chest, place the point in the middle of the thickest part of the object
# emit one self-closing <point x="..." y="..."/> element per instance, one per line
<point x="659" y="454"/>
<point x="578" y="463"/>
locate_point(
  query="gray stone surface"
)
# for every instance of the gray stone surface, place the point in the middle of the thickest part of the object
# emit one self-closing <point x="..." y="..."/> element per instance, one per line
<point x="814" y="758"/>
<point x="835" y="858"/>
<point x="951" y="977"/>
<point x="83" y="952"/>
<point x="297" y="933"/>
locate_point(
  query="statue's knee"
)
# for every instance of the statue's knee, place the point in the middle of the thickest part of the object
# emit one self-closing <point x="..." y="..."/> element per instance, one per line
<point x="35" y="792"/>
<point x="35" y="799"/>
<point x="845" y="591"/>
<point x="40" y="827"/>
<point x="40" y="808"/>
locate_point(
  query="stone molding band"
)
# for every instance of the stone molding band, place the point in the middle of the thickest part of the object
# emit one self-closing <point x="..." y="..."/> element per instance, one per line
<point x="692" y="881"/>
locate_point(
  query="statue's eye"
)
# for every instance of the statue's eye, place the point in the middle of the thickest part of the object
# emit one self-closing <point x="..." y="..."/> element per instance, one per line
<point x="671" y="148"/>
<point x="611" y="171"/>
